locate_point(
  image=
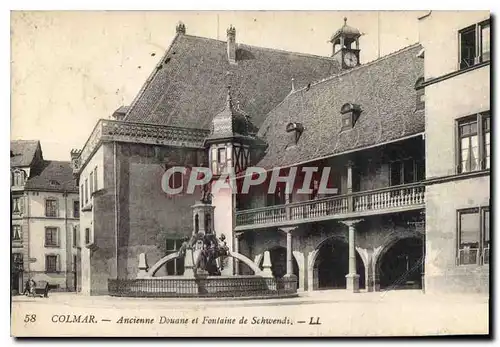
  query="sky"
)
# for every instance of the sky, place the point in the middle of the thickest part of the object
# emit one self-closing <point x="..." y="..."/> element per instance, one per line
<point x="69" y="69"/>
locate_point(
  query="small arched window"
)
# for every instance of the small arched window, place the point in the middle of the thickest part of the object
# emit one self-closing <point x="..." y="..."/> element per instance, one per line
<point x="208" y="223"/>
<point x="196" y="224"/>
<point x="420" y="101"/>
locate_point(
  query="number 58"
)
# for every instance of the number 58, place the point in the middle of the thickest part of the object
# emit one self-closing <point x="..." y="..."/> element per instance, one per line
<point x="30" y="318"/>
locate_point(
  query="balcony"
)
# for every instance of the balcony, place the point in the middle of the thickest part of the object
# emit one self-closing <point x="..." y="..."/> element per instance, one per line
<point x="379" y="201"/>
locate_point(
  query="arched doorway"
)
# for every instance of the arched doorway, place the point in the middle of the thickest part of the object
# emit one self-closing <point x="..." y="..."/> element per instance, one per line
<point x="332" y="265"/>
<point x="400" y="267"/>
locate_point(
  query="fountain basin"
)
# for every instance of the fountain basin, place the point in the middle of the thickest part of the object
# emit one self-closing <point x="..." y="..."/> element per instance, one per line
<point x="241" y="286"/>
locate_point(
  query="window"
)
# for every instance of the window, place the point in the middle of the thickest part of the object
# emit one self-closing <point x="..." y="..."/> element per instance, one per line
<point x="474" y="44"/>
<point x="87" y="236"/>
<point x="16" y="204"/>
<point x="82" y="195"/>
<point x="17" y="233"/>
<point x="294" y="131"/>
<point x="420" y="101"/>
<point x="51" y="239"/>
<point x="221" y="158"/>
<point x="76" y="209"/>
<point x="208" y="223"/>
<point x="474" y="143"/>
<point x="18" y="178"/>
<point x="18" y="261"/>
<point x="176" y="266"/>
<point x="51" y="263"/>
<point x="86" y="191"/>
<point x="91" y="183"/>
<point x="473" y="236"/>
<point x="95" y="179"/>
<point x="51" y="208"/>
<point x="486" y="132"/>
<point x="75" y="236"/>
<point x="406" y="171"/>
<point x="486" y="236"/>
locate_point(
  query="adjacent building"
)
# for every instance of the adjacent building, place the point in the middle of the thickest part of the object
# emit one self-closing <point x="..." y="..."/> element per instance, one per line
<point x="373" y="128"/>
<point x="45" y="219"/>
<point x="458" y="161"/>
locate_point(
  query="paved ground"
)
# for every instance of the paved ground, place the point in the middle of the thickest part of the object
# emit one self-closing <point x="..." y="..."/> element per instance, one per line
<point x="395" y="313"/>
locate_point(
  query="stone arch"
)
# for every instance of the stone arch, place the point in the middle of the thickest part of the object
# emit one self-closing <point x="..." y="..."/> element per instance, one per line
<point x="254" y="267"/>
<point x="154" y="269"/>
<point x="387" y="244"/>
<point x="313" y="280"/>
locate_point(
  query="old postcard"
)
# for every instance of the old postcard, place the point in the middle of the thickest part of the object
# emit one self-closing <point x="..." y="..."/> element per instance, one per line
<point x="250" y="173"/>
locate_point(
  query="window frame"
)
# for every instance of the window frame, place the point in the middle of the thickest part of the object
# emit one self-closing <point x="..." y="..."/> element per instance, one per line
<point x="86" y="191"/>
<point x="16" y="202"/>
<point x="56" y="203"/>
<point x="75" y="236"/>
<point x="82" y="192"/>
<point x="95" y="180"/>
<point x="88" y="236"/>
<point x="91" y="183"/>
<point x="481" y="211"/>
<point x="478" y="55"/>
<point x="20" y="239"/>
<point x="56" y="265"/>
<point x="480" y="119"/>
<point x="416" y="163"/>
<point x="178" y="263"/>
<point x="56" y="243"/>
<point x="76" y="209"/>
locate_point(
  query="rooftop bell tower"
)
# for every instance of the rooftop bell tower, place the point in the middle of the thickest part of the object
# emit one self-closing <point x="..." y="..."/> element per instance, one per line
<point x="345" y="46"/>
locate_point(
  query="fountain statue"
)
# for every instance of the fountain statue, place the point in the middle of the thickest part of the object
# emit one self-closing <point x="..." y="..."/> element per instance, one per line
<point x="212" y="253"/>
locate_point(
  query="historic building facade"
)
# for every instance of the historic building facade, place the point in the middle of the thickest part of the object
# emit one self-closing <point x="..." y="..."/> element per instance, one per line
<point x="457" y="108"/>
<point x="45" y="219"/>
<point x="358" y="129"/>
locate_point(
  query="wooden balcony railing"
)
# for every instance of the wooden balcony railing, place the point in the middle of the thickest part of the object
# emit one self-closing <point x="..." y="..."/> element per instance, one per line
<point x="390" y="198"/>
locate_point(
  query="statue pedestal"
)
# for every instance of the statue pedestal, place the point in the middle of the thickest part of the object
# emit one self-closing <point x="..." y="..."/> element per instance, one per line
<point x="189" y="263"/>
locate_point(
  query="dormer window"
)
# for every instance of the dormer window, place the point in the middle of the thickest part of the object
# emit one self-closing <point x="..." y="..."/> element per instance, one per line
<point x="294" y="130"/>
<point x="420" y="101"/>
<point x="18" y="177"/>
<point x="350" y="114"/>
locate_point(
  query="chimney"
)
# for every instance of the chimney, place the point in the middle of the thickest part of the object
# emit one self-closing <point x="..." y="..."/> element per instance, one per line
<point x="231" y="44"/>
<point x="180" y="28"/>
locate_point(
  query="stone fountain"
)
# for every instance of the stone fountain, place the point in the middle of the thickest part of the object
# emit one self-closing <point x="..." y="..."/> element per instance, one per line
<point x="205" y="256"/>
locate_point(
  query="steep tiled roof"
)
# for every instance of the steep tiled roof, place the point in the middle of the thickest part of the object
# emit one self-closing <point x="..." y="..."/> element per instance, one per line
<point x="383" y="88"/>
<point x="23" y="152"/>
<point x="53" y="176"/>
<point x="188" y="86"/>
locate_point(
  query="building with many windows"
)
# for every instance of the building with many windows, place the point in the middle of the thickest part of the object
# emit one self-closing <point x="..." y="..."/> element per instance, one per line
<point x="370" y="131"/>
<point x="45" y="219"/>
<point x="458" y="161"/>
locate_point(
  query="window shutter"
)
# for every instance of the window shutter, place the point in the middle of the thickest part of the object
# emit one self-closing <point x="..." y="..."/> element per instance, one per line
<point x="58" y="263"/>
<point x="21" y="204"/>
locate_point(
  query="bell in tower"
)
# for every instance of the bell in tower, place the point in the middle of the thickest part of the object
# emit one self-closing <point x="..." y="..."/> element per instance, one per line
<point x="345" y="46"/>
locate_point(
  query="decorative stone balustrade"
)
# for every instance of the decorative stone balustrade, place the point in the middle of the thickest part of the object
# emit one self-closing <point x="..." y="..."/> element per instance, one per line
<point x="403" y="197"/>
